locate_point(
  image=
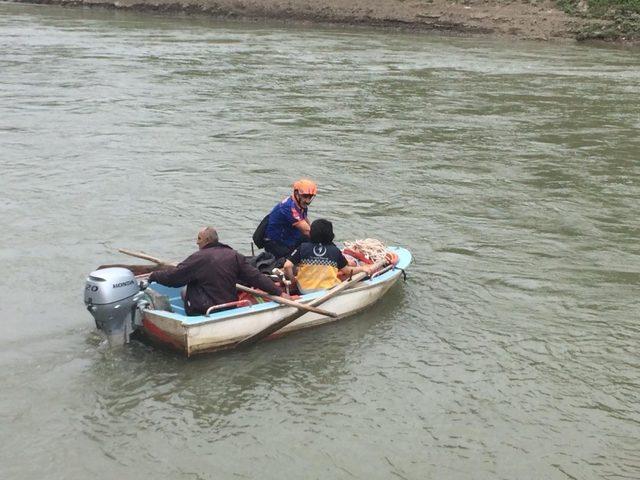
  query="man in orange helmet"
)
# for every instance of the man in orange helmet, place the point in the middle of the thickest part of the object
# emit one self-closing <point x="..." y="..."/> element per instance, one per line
<point x="288" y="224"/>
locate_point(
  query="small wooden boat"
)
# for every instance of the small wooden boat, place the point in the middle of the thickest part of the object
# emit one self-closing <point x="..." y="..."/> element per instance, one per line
<point x="222" y="330"/>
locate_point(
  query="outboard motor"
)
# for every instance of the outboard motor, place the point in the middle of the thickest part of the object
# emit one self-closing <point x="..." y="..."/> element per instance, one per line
<point x="113" y="296"/>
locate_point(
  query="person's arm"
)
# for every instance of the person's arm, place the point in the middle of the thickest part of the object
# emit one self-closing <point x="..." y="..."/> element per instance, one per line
<point x="304" y="227"/>
<point x="179" y="275"/>
<point x="300" y="221"/>
<point x="347" y="270"/>
<point x="252" y="276"/>
<point x="294" y="259"/>
<point x="288" y="270"/>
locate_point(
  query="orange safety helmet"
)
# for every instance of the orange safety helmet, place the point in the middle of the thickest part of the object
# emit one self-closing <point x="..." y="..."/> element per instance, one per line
<point x="304" y="186"/>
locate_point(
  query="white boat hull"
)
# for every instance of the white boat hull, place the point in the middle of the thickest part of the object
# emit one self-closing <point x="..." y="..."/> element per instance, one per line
<point x="220" y="331"/>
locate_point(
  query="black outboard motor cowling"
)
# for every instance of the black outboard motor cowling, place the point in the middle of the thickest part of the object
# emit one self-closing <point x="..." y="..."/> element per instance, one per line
<point x="113" y="295"/>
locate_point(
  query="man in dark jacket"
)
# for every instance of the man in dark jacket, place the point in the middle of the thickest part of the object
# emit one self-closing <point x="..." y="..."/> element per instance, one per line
<point x="211" y="274"/>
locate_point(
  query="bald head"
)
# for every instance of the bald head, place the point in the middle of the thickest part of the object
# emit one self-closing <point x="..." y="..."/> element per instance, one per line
<point x="206" y="236"/>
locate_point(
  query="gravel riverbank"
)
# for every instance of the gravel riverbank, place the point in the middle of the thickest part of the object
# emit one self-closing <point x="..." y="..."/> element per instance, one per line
<point x="526" y="20"/>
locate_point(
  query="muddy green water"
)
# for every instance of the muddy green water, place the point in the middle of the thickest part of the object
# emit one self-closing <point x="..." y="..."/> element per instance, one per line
<point x="511" y="170"/>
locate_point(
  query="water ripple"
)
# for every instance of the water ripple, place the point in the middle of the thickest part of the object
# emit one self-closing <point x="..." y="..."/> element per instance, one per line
<point x="509" y="170"/>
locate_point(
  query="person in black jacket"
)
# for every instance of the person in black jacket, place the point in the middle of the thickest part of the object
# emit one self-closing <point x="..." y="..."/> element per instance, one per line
<point x="211" y="274"/>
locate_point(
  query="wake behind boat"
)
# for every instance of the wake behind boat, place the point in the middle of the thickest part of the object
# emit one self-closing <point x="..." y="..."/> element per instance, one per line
<point x="122" y="304"/>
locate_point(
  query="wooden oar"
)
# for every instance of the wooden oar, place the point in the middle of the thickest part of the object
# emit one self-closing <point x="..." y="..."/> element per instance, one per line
<point x="144" y="256"/>
<point x="274" y="327"/>
<point x="286" y="301"/>
<point x="136" y="269"/>
<point x="382" y="270"/>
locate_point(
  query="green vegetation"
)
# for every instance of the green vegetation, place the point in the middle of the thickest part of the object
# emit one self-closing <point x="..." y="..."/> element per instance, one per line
<point x="609" y="19"/>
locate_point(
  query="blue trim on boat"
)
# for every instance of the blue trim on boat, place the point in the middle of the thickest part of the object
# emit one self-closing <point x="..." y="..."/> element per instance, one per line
<point x="404" y="259"/>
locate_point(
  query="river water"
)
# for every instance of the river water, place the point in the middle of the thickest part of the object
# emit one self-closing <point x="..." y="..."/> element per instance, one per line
<point x="509" y="169"/>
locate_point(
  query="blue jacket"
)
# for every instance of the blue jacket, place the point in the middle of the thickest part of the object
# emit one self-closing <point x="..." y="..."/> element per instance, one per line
<point x="281" y="220"/>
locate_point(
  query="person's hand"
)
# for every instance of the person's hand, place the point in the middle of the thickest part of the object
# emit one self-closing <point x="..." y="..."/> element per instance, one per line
<point x="285" y="295"/>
